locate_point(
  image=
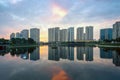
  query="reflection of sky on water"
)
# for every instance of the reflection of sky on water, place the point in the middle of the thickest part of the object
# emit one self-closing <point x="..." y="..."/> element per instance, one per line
<point x="81" y="68"/>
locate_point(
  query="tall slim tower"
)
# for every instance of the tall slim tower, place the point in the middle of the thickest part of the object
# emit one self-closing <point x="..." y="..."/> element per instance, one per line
<point x="80" y="33"/>
<point x="89" y="32"/>
<point x="116" y="30"/>
<point x="71" y="34"/>
<point x="25" y="34"/>
<point x="64" y="35"/>
<point x="54" y="34"/>
<point x="35" y="34"/>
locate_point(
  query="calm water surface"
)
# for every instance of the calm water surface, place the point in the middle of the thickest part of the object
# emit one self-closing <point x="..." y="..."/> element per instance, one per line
<point x="60" y="63"/>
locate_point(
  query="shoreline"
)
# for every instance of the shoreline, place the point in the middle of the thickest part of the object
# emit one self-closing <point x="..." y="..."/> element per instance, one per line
<point x="109" y="46"/>
<point x="18" y="46"/>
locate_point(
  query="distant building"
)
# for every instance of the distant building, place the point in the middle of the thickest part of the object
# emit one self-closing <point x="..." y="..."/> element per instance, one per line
<point x="64" y="35"/>
<point x="35" y="34"/>
<point x="106" y="34"/>
<point x="25" y="34"/>
<point x="80" y="33"/>
<point x="12" y="35"/>
<point x="18" y="35"/>
<point x="57" y="34"/>
<point x="54" y="34"/>
<point x="89" y="32"/>
<point x="71" y="34"/>
<point x="84" y="36"/>
<point x="50" y="39"/>
<point x="116" y="30"/>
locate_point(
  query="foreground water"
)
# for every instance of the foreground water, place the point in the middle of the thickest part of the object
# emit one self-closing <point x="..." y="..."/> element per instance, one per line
<point x="60" y="63"/>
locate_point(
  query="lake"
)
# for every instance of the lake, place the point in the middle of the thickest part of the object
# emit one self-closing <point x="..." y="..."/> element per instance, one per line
<point x="60" y="63"/>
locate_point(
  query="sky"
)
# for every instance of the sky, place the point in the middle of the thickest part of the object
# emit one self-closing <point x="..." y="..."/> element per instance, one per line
<point x="16" y="15"/>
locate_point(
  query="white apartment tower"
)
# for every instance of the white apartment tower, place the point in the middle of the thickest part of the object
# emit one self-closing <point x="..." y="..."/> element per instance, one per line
<point x="89" y="32"/>
<point x="25" y="34"/>
<point x="54" y="34"/>
<point x="71" y="34"/>
<point x="64" y="35"/>
<point x="80" y="34"/>
<point x="116" y="30"/>
<point x="35" y="34"/>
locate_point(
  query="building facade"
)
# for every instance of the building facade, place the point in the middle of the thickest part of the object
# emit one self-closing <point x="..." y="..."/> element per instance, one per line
<point x="106" y="34"/>
<point x="80" y="34"/>
<point x="35" y="34"/>
<point x="116" y="30"/>
<point x="18" y="35"/>
<point x="54" y="34"/>
<point x="71" y="34"/>
<point x="25" y="34"/>
<point x="89" y="33"/>
<point x="63" y="35"/>
<point x="12" y="35"/>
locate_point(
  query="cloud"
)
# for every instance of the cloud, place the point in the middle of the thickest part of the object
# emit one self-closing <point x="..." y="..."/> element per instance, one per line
<point x="15" y="1"/>
<point x="59" y="11"/>
<point x="15" y="17"/>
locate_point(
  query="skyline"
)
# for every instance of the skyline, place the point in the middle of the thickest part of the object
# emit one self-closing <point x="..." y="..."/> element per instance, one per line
<point x="16" y="15"/>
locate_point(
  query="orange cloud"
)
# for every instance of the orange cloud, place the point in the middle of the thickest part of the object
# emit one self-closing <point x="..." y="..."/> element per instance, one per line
<point x="58" y="12"/>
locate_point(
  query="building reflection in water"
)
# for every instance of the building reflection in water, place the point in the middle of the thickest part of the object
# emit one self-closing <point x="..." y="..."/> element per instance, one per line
<point x="35" y="55"/>
<point x="71" y="53"/>
<point x="116" y="58"/>
<point x="106" y="54"/>
<point x="63" y="52"/>
<point x="111" y="54"/>
<point x="53" y="53"/>
<point x="60" y="52"/>
<point x="25" y="56"/>
<point x="31" y="53"/>
<point x="87" y="51"/>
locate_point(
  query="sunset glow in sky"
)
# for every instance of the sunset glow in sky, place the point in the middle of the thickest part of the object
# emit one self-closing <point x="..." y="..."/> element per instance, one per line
<point x="16" y="15"/>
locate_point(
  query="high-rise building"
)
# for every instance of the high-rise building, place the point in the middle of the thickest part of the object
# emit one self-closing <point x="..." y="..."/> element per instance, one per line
<point x="64" y="35"/>
<point x="35" y="34"/>
<point x="80" y="33"/>
<point x="12" y="35"/>
<point x="89" y="32"/>
<point x="50" y="35"/>
<point x="84" y="36"/>
<point x="116" y="30"/>
<point x="106" y="34"/>
<point x="57" y="34"/>
<point x="18" y="35"/>
<point x="25" y="34"/>
<point x="54" y="34"/>
<point x="71" y="34"/>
